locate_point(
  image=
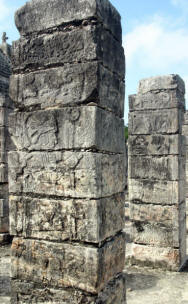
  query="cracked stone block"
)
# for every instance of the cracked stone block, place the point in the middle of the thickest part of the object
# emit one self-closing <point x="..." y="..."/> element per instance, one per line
<point x="69" y="85"/>
<point x="157" y="100"/>
<point x="168" y="121"/>
<point x="147" y="191"/>
<point x="169" y="168"/>
<point x="72" y="219"/>
<point x="156" y="257"/>
<point x="26" y="292"/>
<point x="66" y="174"/>
<point x="92" y="43"/>
<point x="157" y="144"/>
<point x="67" y="128"/>
<point x="158" y="225"/>
<point x="66" y="12"/>
<point x="45" y="263"/>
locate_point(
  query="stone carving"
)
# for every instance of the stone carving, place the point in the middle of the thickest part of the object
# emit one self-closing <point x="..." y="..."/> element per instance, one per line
<point x="157" y="173"/>
<point x="68" y="152"/>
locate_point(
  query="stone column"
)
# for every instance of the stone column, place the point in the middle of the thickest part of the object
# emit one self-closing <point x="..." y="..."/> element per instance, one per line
<point x="67" y="174"/>
<point x="185" y="133"/>
<point x="157" y="173"/>
<point x="5" y="108"/>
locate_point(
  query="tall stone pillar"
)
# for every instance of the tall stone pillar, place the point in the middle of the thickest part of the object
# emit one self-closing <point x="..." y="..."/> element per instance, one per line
<point x="5" y="108"/>
<point x="185" y="133"/>
<point x="157" y="173"/>
<point x="67" y="175"/>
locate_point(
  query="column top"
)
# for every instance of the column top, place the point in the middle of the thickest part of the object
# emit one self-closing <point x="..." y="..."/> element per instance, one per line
<point x="39" y="15"/>
<point x="166" y="82"/>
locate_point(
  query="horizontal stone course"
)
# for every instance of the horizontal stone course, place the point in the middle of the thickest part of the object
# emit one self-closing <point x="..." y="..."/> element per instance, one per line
<point x="62" y="48"/>
<point x="157" y="100"/>
<point x="157" y="144"/>
<point x="46" y="263"/>
<point x="155" y="122"/>
<point x="67" y="128"/>
<point x="66" y="12"/>
<point x="146" y="191"/>
<point x="28" y="292"/>
<point x="58" y="220"/>
<point x="70" y="174"/>
<point x="73" y="84"/>
<point x="170" y="168"/>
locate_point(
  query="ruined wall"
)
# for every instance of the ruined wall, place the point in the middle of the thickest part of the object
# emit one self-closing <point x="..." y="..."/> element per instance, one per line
<point x="157" y="173"/>
<point x="185" y="133"/>
<point x="67" y="173"/>
<point x="5" y="109"/>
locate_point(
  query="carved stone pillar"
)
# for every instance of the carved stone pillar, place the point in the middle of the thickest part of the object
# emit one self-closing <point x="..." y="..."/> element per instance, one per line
<point x="67" y="175"/>
<point x="157" y="173"/>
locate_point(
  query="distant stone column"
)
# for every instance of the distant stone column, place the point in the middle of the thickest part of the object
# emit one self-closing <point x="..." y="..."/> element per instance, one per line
<point x="185" y="133"/>
<point x="157" y="173"/>
<point x="5" y="109"/>
<point x="67" y="175"/>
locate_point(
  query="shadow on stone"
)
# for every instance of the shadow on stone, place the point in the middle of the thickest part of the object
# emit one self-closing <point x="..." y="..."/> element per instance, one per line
<point x="139" y="281"/>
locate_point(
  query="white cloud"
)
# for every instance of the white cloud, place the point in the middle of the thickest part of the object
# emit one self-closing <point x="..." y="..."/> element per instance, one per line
<point x="156" y="46"/>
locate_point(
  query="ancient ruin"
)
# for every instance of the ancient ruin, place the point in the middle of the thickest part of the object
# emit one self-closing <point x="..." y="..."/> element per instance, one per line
<point x="157" y="173"/>
<point x="67" y="171"/>
<point x="5" y="109"/>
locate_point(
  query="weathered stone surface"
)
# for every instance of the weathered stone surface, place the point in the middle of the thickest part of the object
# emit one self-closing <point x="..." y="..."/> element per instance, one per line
<point x="159" y="121"/>
<point x="157" y="100"/>
<point x="46" y="263"/>
<point x="49" y="219"/>
<point x="70" y="174"/>
<point x="115" y="292"/>
<point x="157" y="144"/>
<point x="147" y="191"/>
<point x="4" y="224"/>
<point x="59" y="48"/>
<point x="69" y="85"/>
<point x="4" y="207"/>
<point x="157" y="225"/>
<point x="156" y="257"/>
<point x="4" y="113"/>
<point x="162" y="83"/>
<point x="67" y="128"/>
<point x="170" y="168"/>
<point x="3" y="173"/>
<point x="42" y="13"/>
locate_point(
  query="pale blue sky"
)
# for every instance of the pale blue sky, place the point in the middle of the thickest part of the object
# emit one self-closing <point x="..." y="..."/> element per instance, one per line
<point x="155" y="37"/>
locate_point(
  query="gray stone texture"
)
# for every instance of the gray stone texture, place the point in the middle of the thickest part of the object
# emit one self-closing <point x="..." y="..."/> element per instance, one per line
<point x="5" y="110"/>
<point x="185" y="133"/>
<point x="69" y="85"/>
<point x="67" y="161"/>
<point x="157" y="173"/>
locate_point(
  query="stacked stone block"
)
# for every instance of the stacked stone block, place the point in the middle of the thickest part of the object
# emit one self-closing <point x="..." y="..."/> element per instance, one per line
<point x="185" y="133"/>
<point x="5" y="109"/>
<point x="67" y="172"/>
<point x="157" y="173"/>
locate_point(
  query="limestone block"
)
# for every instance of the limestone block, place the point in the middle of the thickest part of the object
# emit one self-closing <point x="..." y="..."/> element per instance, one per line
<point x="67" y="128"/>
<point x="5" y="143"/>
<point x="4" y="207"/>
<point x="67" y="265"/>
<point x="3" y="173"/>
<point x="157" y="100"/>
<point x="4" y="113"/>
<point x="156" y="257"/>
<point x="152" y="122"/>
<point x="73" y="219"/>
<point x="157" y="225"/>
<point x="147" y="191"/>
<point x="73" y="84"/>
<point x="28" y="292"/>
<point x="161" y="83"/>
<point x="156" y="144"/>
<point x="67" y="174"/>
<point x="65" y="12"/>
<point x="3" y="190"/>
<point x="4" y="224"/>
<point x="59" y="48"/>
<point x="168" y="168"/>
